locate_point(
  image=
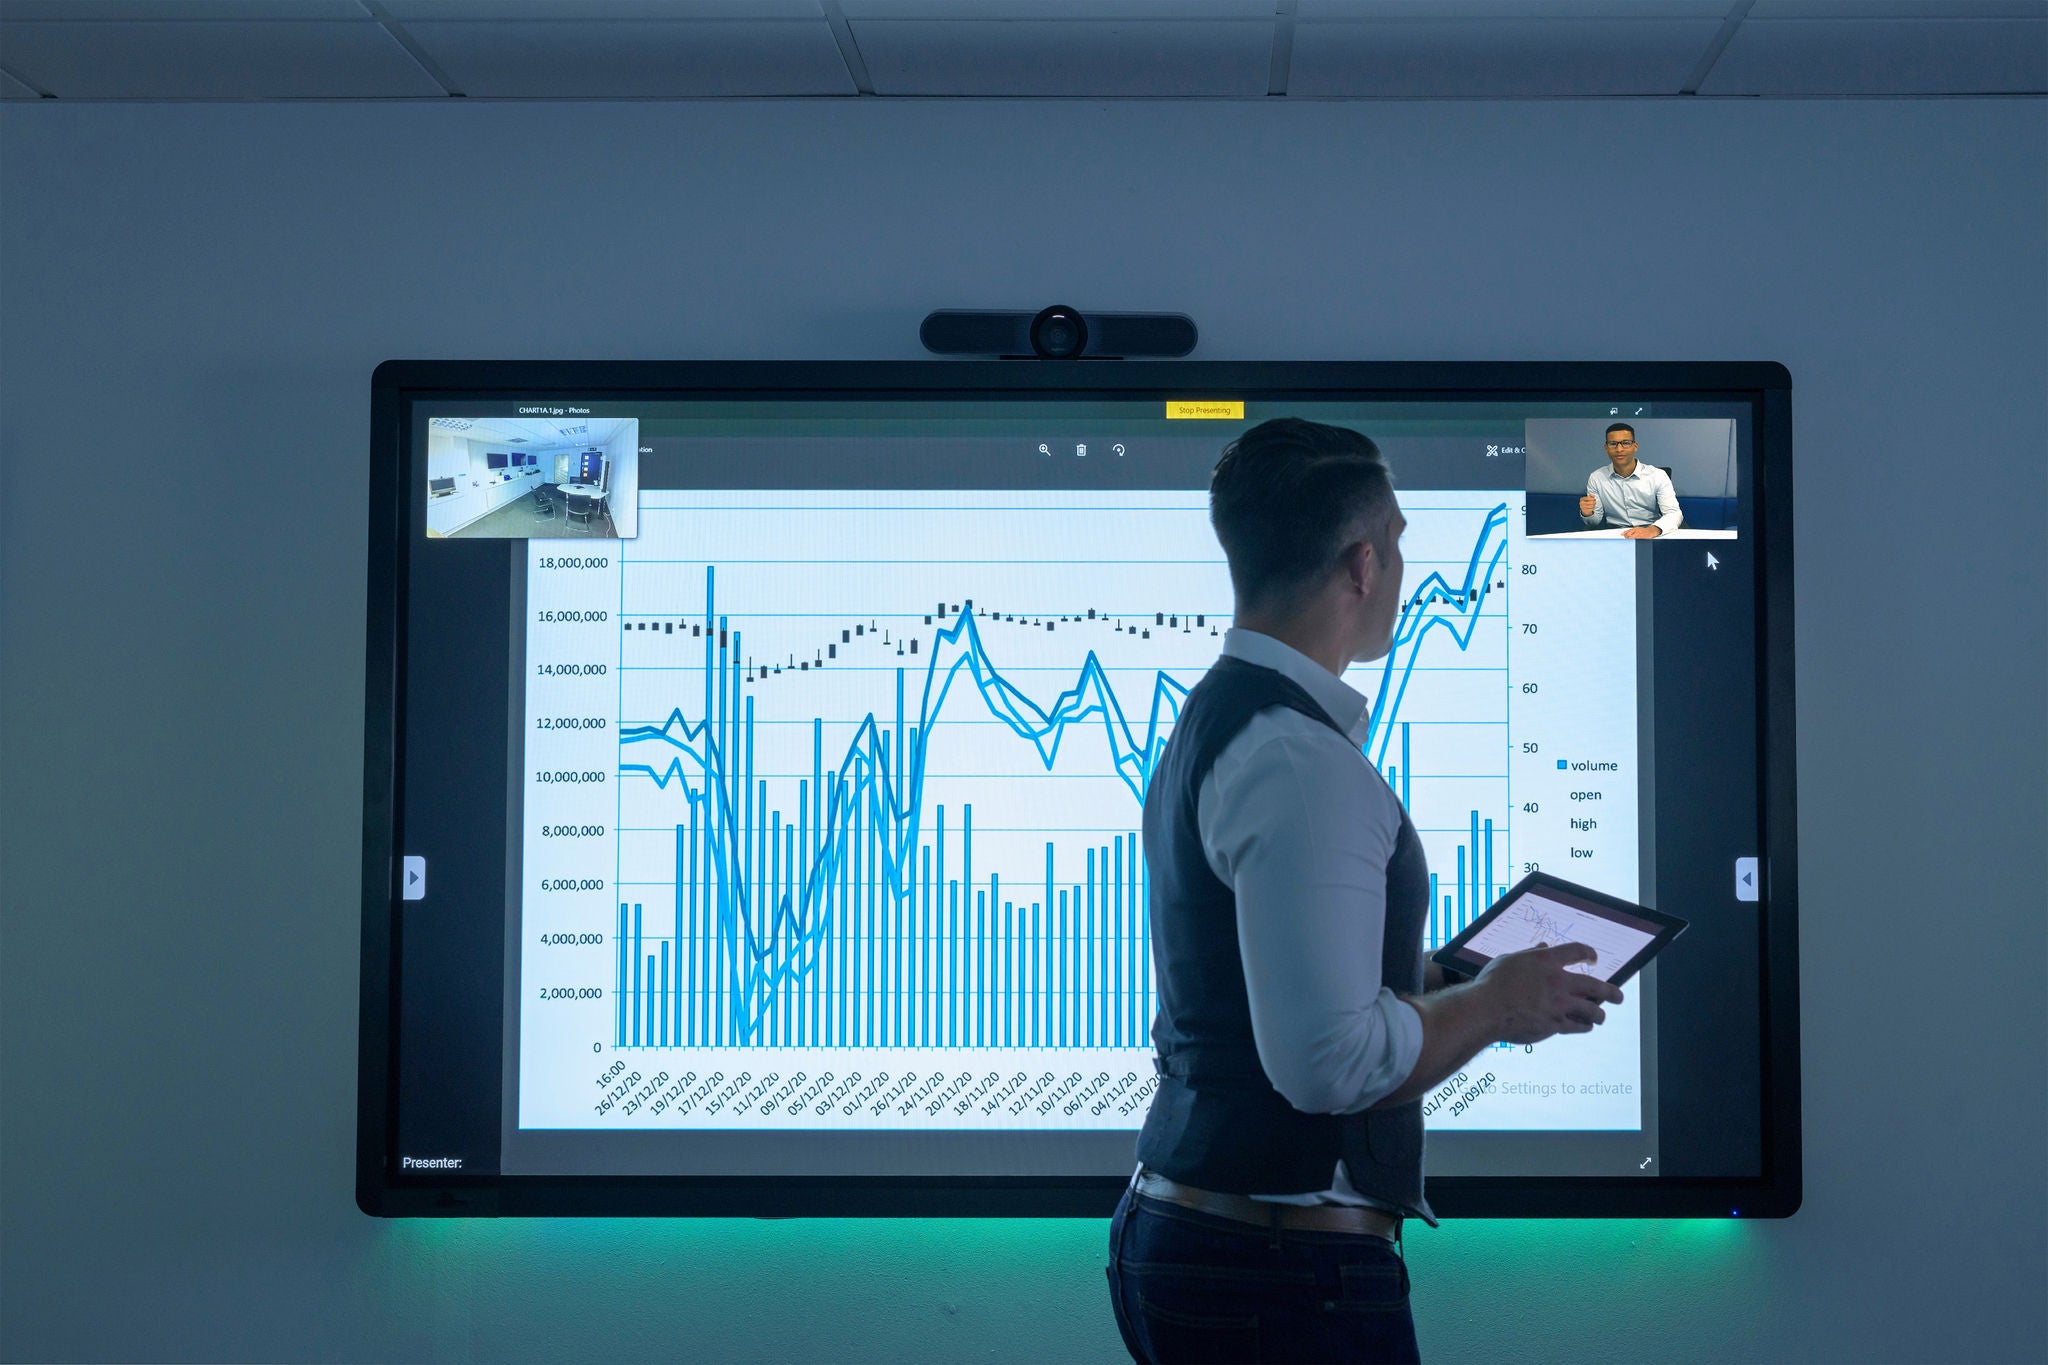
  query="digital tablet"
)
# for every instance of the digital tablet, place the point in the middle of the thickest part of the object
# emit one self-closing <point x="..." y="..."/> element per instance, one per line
<point x="1541" y="910"/>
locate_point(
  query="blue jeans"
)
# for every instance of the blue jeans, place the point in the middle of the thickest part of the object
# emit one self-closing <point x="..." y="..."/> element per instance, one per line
<point x="1192" y="1286"/>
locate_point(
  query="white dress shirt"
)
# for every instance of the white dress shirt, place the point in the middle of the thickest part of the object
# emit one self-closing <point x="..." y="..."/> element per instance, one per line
<point x="1644" y="498"/>
<point x="1301" y="827"/>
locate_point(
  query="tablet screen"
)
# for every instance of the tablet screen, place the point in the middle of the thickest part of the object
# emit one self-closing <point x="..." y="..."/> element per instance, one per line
<point x="1542" y="916"/>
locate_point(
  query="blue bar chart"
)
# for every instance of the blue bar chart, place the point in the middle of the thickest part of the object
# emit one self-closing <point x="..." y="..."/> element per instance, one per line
<point x="856" y="916"/>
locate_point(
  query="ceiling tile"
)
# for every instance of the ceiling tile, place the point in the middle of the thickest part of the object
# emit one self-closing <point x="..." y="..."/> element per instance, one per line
<point x="1515" y="9"/>
<point x="12" y="89"/>
<point x="1883" y="57"/>
<point x="1504" y="58"/>
<point x="228" y="60"/>
<point x="1184" y="59"/>
<point x="1900" y="9"/>
<point x="1058" y="9"/>
<point x="151" y="10"/>
<point x="406" y="11"/>
<point x="605" y="59"/>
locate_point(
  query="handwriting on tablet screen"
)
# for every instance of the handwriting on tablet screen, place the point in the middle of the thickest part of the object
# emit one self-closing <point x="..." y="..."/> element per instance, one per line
<point x="1535" y="921"/>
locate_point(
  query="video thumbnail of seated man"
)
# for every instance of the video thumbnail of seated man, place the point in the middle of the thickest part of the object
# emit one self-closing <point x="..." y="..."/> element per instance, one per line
<point x="1625" y="492"/>
<point x="1630" y="476"/>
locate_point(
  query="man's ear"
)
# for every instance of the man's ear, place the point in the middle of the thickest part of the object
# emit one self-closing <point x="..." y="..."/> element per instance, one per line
<point x="1362" y="565"/>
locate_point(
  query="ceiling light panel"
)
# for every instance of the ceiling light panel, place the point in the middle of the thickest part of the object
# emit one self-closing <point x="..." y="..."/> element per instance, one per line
<point x="1173" y="59"/>
<point x="1514" y="9"/>
<point x="1883" y="57"/>
<point x="584" y="11"/>
<point x="1497" y="59"/>
<point x="1899" y="9"/>
<point x="224" y="60"/>
<point x="256" y="11"/>
<point x="613" y="59"/>
<point x="1049" y="10"/>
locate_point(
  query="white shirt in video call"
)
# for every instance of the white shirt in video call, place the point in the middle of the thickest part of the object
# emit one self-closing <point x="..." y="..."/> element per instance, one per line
<point x="1644" y="498"/>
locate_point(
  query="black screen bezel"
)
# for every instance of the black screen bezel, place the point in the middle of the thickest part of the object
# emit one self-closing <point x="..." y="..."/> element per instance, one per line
<point x="1764" y="386"/>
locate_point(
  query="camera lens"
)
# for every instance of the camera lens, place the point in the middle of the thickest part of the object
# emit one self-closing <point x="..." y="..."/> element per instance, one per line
<point x="1058" y="334"/>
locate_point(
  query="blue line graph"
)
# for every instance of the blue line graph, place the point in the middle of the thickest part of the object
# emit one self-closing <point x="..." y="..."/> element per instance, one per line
<point x="1456" y="610"/>
<point x="1434" y="604"/>
<point x="855" y="916"/>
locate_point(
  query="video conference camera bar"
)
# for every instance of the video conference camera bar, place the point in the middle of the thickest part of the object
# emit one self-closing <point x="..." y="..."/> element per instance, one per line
<point x="1057" y="333"/>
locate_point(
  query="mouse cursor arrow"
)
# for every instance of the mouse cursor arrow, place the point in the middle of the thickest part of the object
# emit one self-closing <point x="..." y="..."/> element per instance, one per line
<point x="1712" y="562"/>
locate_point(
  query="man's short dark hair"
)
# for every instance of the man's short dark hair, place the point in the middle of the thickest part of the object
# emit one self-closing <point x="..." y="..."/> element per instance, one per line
<point x="1288" y="497"/>
<point x="1619" y="426"/>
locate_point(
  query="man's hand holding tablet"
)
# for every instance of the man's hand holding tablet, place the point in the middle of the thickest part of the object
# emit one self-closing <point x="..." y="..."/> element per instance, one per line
<point x="1547" y="958"/>
<point x="1521" y="997"/>
<point x="1538" y="993"/>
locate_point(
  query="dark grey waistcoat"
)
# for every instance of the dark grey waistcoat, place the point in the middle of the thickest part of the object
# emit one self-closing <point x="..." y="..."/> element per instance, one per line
<point x="1216" y="1121"/>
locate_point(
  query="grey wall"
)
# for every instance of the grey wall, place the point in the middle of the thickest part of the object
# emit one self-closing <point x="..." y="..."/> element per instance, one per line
<point x="189" y="288"/>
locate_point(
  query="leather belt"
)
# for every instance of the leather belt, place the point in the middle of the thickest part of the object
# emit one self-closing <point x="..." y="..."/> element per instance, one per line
<point x="1263" y="1213"/>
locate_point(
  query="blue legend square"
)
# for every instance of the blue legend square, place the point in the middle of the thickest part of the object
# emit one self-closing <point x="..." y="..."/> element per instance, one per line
<point x="1560" y="763"/>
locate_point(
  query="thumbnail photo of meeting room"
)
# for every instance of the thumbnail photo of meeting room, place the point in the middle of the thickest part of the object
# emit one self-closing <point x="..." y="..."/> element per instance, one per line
<point x="1635" y="478"/>
<point x="573" y="477"/>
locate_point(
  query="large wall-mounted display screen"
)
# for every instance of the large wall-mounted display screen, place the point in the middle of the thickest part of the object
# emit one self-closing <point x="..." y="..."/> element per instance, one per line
<point x="753" y="805"/>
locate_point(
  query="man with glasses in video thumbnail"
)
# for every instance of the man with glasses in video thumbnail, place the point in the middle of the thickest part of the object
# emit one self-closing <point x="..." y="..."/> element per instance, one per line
<point x="1637" y="496"/>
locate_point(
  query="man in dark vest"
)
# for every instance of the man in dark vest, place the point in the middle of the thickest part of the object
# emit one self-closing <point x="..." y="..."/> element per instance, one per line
<point x="1297" y="1029"/>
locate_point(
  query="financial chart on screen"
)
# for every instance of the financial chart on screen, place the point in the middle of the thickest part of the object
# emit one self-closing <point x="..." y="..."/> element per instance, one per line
<point x="832" y="797"/>
<point x="757" y="756"/>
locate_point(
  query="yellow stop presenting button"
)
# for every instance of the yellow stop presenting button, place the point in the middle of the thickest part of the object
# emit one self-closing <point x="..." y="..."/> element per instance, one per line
<point x="1210" y="409"/>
